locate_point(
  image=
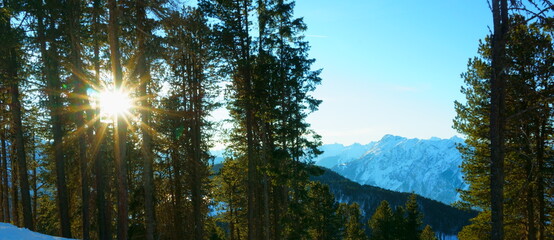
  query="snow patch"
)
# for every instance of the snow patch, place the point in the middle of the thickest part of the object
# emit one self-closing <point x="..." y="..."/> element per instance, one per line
<point x="11" y="232"/>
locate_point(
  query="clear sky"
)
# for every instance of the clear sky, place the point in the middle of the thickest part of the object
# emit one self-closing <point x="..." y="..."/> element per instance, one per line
<point x="390" y="67"/>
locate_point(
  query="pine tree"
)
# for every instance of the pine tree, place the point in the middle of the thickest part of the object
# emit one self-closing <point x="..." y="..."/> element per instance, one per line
<point x="269" y="102"/>
<point x="528" y="52"/>
<point x="47" y="17"/>
<point x="382" y="223"/>
<point x="142" y="72"/>
<point x="231" y="193"/>
<point x="352" y="226"/>
<point x="99" y="149"/>
<point x="79" y="104"/>
<point x="497" y="118"/>
<point x="427" y="234"/>
<point x="12" y="67"/>
<point x="321" y="215"/>
<point x="412" y="228"/>
<point x="190" y="100"/>
<point x="121" y="127"/>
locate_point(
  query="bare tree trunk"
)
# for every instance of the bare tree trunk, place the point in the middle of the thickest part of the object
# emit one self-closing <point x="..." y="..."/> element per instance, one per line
<point x="121" y="128"/>
<point x="497" y="118"/>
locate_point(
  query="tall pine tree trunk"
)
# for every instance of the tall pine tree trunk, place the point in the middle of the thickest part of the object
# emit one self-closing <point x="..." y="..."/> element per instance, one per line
<point x="541" y="139"/>
<point x="13" y="79"/>
<point x="79" y="102"/>
<point x="35" y="182"/>
<point x="197" y="164"/>
<point x="529" y="194"/>
<point x="6" y="193"/>
<point x="177" y="194"/>
<point x="497" y="118"/>
<point x="21" y="168"/>
<point x="2" y="157"/>
<point x="104" y="222"/>
<point x="143" y="74"/>
<point x="265" y="131"/>
<point x="121" y="126"/>
<point x="54" y="104"/>
<point x="14" y="189"/>
<point x="245" y="90"/>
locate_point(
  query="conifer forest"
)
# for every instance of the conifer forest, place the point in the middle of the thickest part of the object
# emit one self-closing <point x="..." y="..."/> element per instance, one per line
<point x="106" y="127"/>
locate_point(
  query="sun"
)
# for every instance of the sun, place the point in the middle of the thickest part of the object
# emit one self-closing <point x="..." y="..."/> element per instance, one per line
<point x="114" y="103"/>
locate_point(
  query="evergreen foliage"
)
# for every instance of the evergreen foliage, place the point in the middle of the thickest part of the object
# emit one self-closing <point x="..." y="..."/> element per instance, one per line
<point x="352" y="222"/>
<point x="382" y="223"/>
<point x="427" y="234"/>
<point x="529" y="71"/>
<point x="412" y="219"/>
<point x="404" y="223"/>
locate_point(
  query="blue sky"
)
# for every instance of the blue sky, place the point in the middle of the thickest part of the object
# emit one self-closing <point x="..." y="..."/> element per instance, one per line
<point x="390" y="67"/>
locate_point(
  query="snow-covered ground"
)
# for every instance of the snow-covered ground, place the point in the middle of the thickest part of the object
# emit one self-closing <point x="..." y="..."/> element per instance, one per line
<point x="11" y="232"/>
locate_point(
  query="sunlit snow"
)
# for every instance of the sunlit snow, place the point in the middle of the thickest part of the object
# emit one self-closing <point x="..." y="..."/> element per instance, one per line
<point x="11" y="232"/>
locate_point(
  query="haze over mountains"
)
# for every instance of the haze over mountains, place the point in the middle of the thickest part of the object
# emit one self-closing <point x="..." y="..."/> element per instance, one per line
<point x="428" y="167"/>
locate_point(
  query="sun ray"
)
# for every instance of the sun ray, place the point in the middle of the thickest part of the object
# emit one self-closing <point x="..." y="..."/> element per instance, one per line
<point x="151" y="131"/>
<point x="99" y="136"/>
<point x="81" y="129"/>
<point x="128" y="122"/>
<point x="156" y="110"/>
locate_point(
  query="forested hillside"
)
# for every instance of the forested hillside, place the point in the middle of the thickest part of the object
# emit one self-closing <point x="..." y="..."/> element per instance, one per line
<point x="444" y="219"/>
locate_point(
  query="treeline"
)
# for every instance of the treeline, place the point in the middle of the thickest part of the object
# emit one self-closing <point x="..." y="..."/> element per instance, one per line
<point x="525" y="186"/>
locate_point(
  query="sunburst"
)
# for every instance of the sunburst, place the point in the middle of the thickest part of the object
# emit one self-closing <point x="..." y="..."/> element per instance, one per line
<point x="115" y="103"/>
<point x="104" y="104"/>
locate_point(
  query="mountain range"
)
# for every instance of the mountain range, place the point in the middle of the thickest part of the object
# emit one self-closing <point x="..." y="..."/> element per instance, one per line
<point x="428" y="167"/>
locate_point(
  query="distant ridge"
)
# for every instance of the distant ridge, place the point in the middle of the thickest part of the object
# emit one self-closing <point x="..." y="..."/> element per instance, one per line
<point x="429" y="167"/>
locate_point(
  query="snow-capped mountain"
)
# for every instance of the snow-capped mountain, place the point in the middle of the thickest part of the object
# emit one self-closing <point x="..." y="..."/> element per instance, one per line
<point x="428" y="167"/>
<point x="335" y="154"/>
